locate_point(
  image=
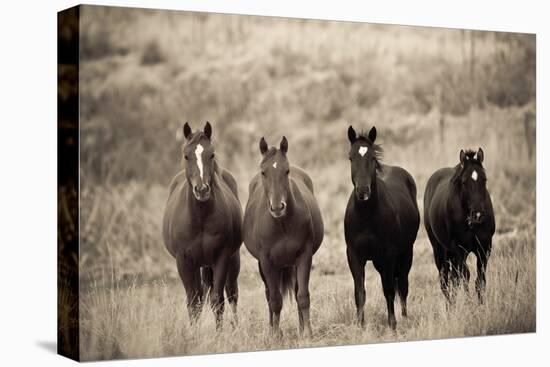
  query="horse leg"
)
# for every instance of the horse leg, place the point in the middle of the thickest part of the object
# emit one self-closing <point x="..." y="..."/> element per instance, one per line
<point x="404" y="266"/>
<point x="190" y="276"/>
<point x="273" y="280"/>
<point x="387" y="274"/>
<point x="231" y="284"/>
<point x="464" y="272"/>
<point x="442" y="264"/>
<point x="482" y="254"/>
<point x="266" y="294"/>
<point x="303" y="269"/>
<point x="357" y="267"/>
<point x="216" y="294"/>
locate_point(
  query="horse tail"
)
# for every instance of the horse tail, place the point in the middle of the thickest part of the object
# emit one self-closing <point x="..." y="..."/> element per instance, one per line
<point x="288" y="281"/>
<point x="207" y="278"/>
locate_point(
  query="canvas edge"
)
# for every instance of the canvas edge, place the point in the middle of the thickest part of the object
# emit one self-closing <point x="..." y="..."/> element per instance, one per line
<point x="68" y="199"/>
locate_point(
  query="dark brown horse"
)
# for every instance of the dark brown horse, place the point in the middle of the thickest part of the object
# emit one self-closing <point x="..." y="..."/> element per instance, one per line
<point x="459" y="219"/>
<point x="282" y="229"/>
<point x="381" y="223"/>
<point x="202" y="226"/>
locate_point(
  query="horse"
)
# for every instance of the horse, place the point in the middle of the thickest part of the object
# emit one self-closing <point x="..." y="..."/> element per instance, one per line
<point x="459" y="219"/>
<point x="282" y="229"/>
<point x="202" y="226"/>
<point x="380" y="224"/>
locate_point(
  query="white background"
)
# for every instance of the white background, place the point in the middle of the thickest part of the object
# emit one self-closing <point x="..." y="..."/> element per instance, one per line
<point x="28" y="205"/>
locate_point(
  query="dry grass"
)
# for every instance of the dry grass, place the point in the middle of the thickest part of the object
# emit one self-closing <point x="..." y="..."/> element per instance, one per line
<point x="253" y="76"/>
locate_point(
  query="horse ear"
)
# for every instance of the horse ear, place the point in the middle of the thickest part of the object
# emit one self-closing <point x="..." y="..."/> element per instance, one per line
<point x="263" y="145"/>
<point x="187" y="130"/>
<point x="462" y="156"/>
<point x="480" y="155"/>
<point x="208" y="130"/>
<point x="372" y="134"/>
<point x="284" y="145"/>
<point x="352" y="135"/>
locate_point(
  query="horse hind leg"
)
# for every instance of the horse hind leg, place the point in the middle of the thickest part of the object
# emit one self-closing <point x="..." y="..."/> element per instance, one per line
<point x="402" y="280"/>
<point x="387" y="275"/>
<point x="303" y="269"/>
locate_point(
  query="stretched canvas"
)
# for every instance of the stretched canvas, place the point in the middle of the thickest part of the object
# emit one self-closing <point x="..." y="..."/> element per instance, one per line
<point x="234" y="183"/>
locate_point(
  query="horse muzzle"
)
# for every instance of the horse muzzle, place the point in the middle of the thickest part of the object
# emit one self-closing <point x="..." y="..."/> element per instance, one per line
<point x="363" y="194"/>
<point x="202" y="193"/>
<point x="278" y="211"/>
<point x="475" y="217"/>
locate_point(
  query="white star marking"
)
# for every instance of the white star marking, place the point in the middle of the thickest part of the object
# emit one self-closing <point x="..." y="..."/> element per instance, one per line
<point x="474" y="175"/>
<point x="198" y="153"/>
<point x="363" y="151"/>
<point x="274" y="164"/>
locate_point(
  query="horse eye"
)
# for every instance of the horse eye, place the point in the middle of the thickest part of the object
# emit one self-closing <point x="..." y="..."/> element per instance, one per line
<point x="287" y="171"/>
<point x="263" y="173"/>
<point x="212" y="156"/>
<point x="186" y="158"/>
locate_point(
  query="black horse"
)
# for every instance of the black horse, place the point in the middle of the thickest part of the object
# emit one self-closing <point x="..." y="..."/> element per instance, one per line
<point x="459" y="219"/>
<point x="282" y="229"/>
<point x="381" y="223"/>
<point x="202" y="226"/>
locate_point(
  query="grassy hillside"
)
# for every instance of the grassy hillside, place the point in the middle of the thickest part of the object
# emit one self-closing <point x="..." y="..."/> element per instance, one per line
<point x="429" y="91"/>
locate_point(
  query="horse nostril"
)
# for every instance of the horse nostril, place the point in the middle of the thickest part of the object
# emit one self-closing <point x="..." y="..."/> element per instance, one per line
<point x="281" y="207"/>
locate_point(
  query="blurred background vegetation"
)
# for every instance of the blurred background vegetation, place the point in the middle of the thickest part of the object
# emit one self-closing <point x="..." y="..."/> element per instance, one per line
<point x="429" y="91"/>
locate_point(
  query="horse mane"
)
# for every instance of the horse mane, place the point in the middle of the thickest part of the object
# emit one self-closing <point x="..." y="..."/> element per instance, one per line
<point x="376" y="148"/>
<point x="459" y="168"/>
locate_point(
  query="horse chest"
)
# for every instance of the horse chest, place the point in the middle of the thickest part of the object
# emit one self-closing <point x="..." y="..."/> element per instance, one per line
<point x="202" y="239"/>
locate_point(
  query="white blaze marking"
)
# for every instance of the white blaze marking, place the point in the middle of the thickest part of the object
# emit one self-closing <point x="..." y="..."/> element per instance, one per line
<point x="274" y="164"/>
<point x="474" y="175"/>
<point x="198" y="153"/>
<point x="363" y="151"/>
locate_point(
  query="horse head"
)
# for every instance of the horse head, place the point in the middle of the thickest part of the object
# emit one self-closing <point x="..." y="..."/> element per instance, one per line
<point x="471" y="182"/>
<point x="199" y="162"/>
<point x="364" y="158"/>
<point x="275" y="170"/>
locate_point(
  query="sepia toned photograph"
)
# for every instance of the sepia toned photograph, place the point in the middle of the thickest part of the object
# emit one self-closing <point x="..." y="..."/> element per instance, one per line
<point x="234" y="183"/>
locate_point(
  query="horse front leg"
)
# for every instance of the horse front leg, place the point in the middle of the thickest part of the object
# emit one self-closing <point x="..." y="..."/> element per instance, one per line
<point x="190" y="276"/>
<point x="272" y="276"/>
<point x="482" y="253"/>
<point x="217" y="300"/>
<point x="303" y="269"/>
<point x="357" y="267"/>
